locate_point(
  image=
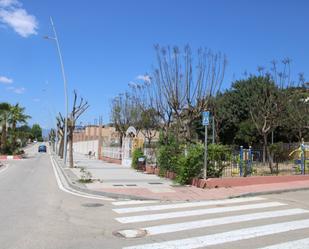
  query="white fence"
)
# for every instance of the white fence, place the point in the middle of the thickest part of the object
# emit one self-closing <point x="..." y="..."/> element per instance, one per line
<point x="112" y="152"/>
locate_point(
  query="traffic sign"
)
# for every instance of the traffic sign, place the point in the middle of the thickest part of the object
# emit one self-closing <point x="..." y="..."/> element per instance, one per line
<point x="206" y="118"/>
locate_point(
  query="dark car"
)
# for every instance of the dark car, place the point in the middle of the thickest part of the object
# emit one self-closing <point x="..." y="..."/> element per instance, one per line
<point x="42" y="148"/>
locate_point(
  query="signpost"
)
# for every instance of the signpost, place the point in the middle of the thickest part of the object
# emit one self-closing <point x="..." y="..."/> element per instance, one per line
<point x="205" y="123"/>
<point x="303" y="157"/>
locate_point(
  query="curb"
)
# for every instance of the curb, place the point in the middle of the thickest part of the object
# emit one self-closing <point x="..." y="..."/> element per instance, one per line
<point x="93" y="192"/>
<point x="268" y="192"/>
<point x="16" y="157"/>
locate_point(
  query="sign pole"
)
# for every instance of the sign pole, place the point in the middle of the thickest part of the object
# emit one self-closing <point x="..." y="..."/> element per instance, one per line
<point x="205" y="153"/>
<point x="205" y="122"/>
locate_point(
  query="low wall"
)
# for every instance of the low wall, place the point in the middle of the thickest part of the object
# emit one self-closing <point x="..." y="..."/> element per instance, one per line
<point x="84" y="147"/>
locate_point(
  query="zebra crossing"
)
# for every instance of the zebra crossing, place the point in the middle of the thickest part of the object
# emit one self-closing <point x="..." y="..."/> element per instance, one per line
<point x="188" y="225"/>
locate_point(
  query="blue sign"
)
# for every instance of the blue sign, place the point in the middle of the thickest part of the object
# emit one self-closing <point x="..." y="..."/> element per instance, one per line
<point x="206" y="118"/>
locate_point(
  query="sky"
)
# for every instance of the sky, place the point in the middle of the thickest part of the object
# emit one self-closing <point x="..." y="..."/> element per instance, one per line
<point x="107" y="44"/>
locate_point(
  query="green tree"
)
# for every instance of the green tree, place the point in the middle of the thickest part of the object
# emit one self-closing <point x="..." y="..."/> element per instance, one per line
<point x="4" y="115"/>
<point x="17" y="115"/>
<point x="36" y="131"/>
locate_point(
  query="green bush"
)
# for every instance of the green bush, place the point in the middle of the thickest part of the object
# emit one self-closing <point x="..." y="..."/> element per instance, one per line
<point x="191" y="164"/>
<point x="218" y="157"/>
<point x="137" y="153"/>
<point x="168" y="154"/>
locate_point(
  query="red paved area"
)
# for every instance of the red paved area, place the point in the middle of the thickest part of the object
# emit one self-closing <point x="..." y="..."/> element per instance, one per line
<point x="194" y="193"/>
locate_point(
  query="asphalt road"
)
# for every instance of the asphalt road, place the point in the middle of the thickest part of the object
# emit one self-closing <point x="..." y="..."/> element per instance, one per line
<point x="35" y="213"/>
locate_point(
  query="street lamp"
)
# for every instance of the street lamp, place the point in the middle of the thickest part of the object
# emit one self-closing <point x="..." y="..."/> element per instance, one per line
<point x="55" y="38"/>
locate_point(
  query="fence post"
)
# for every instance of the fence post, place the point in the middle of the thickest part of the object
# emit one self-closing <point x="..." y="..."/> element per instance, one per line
<point x="302" y="158"/>
<point x="250" y="160"/>
<point x="240" y="160"/>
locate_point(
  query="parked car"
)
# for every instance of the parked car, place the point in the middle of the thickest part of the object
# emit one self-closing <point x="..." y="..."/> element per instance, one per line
<point x="42" y="148"/>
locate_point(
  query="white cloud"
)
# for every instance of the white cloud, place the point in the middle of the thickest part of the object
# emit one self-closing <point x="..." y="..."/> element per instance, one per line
<point x="9" y="3"/>
<point x="13" y="15"/>
<point x="145" y="77"/>
<point x="5" y="80"/>
<point x="36" y="100"/>
<point x="17" y="90"/>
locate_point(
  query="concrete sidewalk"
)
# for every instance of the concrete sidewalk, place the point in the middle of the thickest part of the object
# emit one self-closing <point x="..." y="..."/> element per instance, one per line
<point x="117" y="179"/>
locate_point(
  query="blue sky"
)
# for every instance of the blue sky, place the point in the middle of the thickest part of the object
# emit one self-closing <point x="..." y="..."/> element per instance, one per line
<point x="107" y="44"/>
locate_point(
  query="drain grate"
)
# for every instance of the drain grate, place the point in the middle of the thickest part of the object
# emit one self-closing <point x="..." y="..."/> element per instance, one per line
<point x="131" y="185"/>
<point x="92" y="205"/>
<point x="155" y="183"/>
<point x="118" y="185"/>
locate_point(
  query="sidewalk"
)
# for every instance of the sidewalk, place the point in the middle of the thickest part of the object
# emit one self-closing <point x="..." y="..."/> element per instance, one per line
<point x="117" y="179"/>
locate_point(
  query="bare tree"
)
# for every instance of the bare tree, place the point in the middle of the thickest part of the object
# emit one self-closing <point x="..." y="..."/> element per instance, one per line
<point x="125" y="112"/>
<point x="60" y="131"/>
<point x="79" y="107"/>
<point x="181" y="89"/>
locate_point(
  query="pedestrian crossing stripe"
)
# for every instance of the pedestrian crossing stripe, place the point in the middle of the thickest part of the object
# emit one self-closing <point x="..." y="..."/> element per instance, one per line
<point x="170" y="215"/>
<point x="225" y="237"/>
<point x="186" y="205"/>
<point x="133" y="202"/>
<point x="183" y="226"/>
<point x="296" y="244"/>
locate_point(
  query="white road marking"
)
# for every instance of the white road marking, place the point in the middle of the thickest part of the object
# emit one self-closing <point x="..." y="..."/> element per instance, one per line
<point x="170" y="228"/>
<point x="296" y="244"/>
<point x="225" y="237"/>
<point x="161" y="216"/>
<point x="74" y="192"/>
<point x="185" y="205"/>
<point x="133" y="202"/>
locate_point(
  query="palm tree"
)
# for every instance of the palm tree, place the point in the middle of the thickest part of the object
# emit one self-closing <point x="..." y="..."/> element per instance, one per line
<point x="16" y="116"/>
<point x="4" y="115"/>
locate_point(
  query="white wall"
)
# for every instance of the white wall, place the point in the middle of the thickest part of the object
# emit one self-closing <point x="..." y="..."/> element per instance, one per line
<point x="84" y="147"/>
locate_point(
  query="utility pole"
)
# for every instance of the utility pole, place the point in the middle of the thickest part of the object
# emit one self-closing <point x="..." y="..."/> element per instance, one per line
<point x="55" y="38"/>
<point x="213" y="129"/>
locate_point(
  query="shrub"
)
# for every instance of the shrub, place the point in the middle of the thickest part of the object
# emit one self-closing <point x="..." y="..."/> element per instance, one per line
<point x="168" y="154"/>
<point x="191" y="164"/>
<point x="85" y="176"/>
<point x="218" y="157"/>
<point x="137" y="153"/>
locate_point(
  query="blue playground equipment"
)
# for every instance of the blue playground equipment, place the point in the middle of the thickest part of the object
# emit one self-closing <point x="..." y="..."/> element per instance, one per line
<point x="245" y="162"/>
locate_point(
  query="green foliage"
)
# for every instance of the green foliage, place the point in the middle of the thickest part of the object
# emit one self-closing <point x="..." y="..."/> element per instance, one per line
<point x="137" y="153"/>
<point x="36" y="131"/>
<point x="279" y="153"/>
<point x="218" y="157"/>
<point x="168" y="154"/>
<point x="191" y="164"/>
<point x="86" y="176"/>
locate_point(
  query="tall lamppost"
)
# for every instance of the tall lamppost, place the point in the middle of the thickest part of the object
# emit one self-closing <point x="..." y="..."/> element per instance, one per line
<point x="55" y="38"/>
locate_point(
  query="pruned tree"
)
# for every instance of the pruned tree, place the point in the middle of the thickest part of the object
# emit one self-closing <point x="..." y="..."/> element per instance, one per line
<point x="52" y="138"/>
<point x="60" y="130"/>
<point x="78" y="108"/>
<point x="179" y="90"/>
<point x="125" y="112"/>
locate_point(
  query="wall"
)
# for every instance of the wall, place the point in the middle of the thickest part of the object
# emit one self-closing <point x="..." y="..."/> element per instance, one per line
<point x="84" y="147"/>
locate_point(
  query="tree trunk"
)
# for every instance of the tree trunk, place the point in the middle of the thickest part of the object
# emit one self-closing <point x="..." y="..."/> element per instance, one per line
<point x="60" y="150"/>
<point x="267" y="152"/>
<point x="14" y="135"/>
<point x="3" y="137"/>
<point x="71" y="148"/>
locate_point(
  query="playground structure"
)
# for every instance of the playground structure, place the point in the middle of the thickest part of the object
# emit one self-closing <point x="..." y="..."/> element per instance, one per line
<point x="246" y="164"/>
<point x="301" y="155"/>
<point x="245" y="161"/>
